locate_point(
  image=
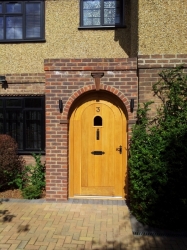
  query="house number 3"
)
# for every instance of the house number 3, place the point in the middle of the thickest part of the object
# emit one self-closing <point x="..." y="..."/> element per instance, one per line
<point x="97" y="109"/>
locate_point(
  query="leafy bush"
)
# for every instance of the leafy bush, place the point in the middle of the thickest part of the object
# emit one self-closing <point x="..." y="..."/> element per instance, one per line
<point x="11" y="164"/>
<point x="35" y="175"/>
<point x="158" y="156"/>
<point x="13" y="173"/>
<point x="32" y="175"/>
<point x="31" y="192"/>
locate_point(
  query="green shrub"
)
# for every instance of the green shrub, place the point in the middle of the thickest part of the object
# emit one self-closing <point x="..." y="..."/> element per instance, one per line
<point x="32" y="175"/>
<point x="11" y="164"/>
<point x="31" y="192"/>
<point x="158" y="156"/>
<point x="35" y="175"/>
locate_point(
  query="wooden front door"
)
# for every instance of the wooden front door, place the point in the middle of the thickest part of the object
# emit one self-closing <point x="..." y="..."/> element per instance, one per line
<point x="97" y="149"/>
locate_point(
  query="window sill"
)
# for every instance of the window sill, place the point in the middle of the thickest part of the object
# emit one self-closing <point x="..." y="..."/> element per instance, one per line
<point x="101" y="27"/>
<point x="31" y="152"/>
<point x="23" y="41"/>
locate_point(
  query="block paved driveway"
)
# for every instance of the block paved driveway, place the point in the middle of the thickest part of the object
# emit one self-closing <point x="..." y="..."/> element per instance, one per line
<point x="74" y="225"/>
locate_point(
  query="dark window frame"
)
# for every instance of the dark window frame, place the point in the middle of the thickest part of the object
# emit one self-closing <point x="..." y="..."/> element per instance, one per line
<point x="103" y="26"/>
<point x="22" y="14"/>
<point x="24" y="111"/>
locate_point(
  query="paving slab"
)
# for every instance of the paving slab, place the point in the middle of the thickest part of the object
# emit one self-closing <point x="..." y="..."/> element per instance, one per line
<point x="75" y="224"/>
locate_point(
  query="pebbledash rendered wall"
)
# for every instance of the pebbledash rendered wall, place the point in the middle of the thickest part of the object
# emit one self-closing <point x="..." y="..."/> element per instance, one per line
<point x="68" y="79"/>
<point x="65" y="40"/>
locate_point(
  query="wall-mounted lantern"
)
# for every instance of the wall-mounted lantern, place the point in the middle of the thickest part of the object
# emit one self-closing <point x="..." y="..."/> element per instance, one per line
<point x="3" y="82"/>
<point x="2" y="79"/>
<point x="132" y="105"/>
<point x="60" y="105"/>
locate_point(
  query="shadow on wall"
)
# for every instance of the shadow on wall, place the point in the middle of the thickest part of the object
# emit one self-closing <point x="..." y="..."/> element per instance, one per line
<point x="128" y="37"/>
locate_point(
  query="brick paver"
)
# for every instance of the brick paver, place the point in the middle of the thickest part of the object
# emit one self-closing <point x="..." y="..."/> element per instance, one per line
<point x="74" y="226"/>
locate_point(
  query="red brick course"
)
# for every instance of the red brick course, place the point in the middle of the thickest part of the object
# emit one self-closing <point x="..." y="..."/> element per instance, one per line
<point x="161" y="61"/>
<point x="67" y="80"/>
<point x="149" y="67"/>
<point x="24" y="84"/>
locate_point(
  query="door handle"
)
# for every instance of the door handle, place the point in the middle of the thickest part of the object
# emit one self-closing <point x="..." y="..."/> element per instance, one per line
<point x="119" y="149"/>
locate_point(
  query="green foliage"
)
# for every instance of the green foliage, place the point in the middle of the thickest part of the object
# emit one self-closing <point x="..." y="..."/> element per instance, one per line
<point x="158" y="156"/>
<point x="36" y="174"/>
<point x="32" y="175"/>
<point x="32" y="179"/>
<point x="31" y="192"/>
<point x="11" y="164"/>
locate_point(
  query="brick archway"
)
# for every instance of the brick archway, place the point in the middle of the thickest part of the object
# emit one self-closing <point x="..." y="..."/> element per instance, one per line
<point x="87" y="89"/>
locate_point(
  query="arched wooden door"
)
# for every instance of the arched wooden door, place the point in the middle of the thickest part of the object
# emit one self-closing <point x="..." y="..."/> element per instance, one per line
<point x="97" y="148"/>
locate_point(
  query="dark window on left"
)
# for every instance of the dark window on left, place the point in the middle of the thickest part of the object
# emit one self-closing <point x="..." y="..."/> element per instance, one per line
<point x="21" y="21"/>
<point x="23" y="118"/>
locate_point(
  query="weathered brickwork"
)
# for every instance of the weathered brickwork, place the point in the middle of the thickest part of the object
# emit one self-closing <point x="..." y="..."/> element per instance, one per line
<point x="29" y="159"/>
<point x="149" y="66"/>
<point x="68" y="79"/>
<point x="24" y="84"/>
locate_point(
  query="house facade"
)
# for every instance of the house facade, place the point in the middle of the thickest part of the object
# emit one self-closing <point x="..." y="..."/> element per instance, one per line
<point x="72" y="75"/>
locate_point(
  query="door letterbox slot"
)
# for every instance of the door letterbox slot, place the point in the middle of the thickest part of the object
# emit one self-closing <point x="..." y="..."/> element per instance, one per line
<point x="97" y="152"/>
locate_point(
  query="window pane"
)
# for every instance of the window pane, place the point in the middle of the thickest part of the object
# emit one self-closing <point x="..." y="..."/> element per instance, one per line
<point x="33" y="103"/>
<point x="13" y="7"/>
<point x="103" y="12"/>
<point x="14" y="126"/>
<point x="109" y="16"/>
<point x="91" y="4"/>
<point x="26" y="126"/>
<point x="91" y="12"/>
<point x="109" y="4"/>
<point x="13" y="103"/>
<point x="96" y="21"/>
<point x="98" y="121"/>
<point x="1" y="28"/>
<point x="111" y="12"/>
<point x="33" y="130"/>
<point x="1" y="121"/>
<point x="33" y="23"/>
<point x="21" y="20"/>
<point x="14" y="28"/>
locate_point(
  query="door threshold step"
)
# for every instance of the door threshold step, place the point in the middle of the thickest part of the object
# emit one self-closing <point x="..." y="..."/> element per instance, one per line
<point x="97" y="197"/>
<point x="97" y="200"/>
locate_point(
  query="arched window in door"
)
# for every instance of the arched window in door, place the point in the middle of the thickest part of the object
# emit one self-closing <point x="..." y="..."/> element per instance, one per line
<point x="98" y="121"/>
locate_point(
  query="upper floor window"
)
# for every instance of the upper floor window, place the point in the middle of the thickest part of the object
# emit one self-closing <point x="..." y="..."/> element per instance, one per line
<point x="21" y="21"/>
<point x="101" y="13"/>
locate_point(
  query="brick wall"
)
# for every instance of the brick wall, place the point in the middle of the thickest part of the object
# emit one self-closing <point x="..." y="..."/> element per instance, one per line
<point x="67" y="79"/>
<point x="149" y="66"/>
<point x="24" y="84"/>
<point x="29" y="159"/>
